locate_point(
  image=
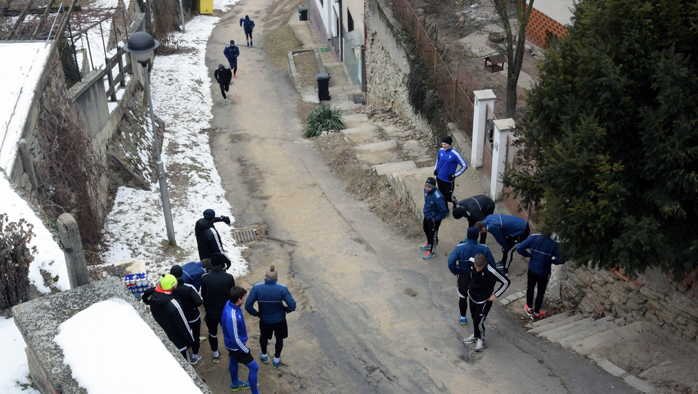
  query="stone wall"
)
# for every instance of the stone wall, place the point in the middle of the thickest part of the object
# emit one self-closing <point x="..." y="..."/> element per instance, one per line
<point x="386" y="64"/>
<point x="652" y="297"/>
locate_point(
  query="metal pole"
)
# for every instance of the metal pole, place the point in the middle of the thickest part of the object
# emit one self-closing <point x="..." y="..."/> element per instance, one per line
<point x="164" y="193"/>
<point x="181" y="12"/>
<point x="53" y="24"/>
<point x="75" y="55"/>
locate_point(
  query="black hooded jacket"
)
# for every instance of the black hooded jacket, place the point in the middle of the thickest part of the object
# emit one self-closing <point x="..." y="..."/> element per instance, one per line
<point x="223" y="75"/>
<point x="168" y="312"/>
<point x="208" y="241"/>
<point x="475" y="208"/>
<point x="215" y="289"/>
<point x="190" y="300"/>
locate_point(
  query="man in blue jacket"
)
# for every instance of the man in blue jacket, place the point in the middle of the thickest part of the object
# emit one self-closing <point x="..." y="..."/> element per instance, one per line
<point x="231" y="53"/>
<point x="508" y="231"/>
<point x="434" y="211"/>
<point x="235" y="338"/>
<point x="247" y="24"/>
<point x="447" y="162"/>
<point x="475" y="209"/>
<point x="271" y="297"/>
<point x="544" y="252"/>
<point x="459" y="265"/>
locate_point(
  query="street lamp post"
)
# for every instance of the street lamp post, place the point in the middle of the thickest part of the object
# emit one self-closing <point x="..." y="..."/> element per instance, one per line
<point x="142" y="44"/>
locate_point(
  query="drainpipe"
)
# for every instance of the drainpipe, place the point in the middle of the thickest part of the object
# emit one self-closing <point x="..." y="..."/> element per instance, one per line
<point x="339" y="32"/>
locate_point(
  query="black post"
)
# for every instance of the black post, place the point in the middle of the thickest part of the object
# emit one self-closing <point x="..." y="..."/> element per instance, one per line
<point x="123" y="14"/>
<point x="75" y="55"/>
<point x="89" y="49"/>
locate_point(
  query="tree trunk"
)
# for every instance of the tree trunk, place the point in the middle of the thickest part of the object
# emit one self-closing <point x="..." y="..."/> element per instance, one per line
<point x="510" y="111"/>
<point x="148" y="18"/>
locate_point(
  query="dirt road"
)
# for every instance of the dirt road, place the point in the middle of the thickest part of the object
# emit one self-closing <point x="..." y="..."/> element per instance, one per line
<point x="372" y="315"/>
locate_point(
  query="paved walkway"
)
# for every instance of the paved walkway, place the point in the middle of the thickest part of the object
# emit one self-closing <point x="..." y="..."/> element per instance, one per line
<point x="373" y="316"/>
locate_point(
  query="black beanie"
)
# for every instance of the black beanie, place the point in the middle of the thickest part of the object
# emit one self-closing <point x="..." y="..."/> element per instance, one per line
<point x="176" y="271"/>
<point x="431" y="182"/>
<point x="447" y="139"/>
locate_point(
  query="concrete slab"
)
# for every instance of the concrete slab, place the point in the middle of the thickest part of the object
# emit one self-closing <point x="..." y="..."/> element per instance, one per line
<point x="304" y="31"/>
<point x="377" y="152"/>
<point x="361" y="135"/>
<point x="606" y="339"/>
<point x="354" y="120"/>
<point x="551" y="326"/>
<point x="409" y="188"/>
<point x="520" y="294"/>
<point x="631" y="332"/>
<point x="388" y="168"/>
<point x="588" y="324"/>
<point x="525" y="81"/>
<point x="559" y="332"/>
<point x="548" y="320"/>
<point x="609" y="367"/>
<point x="415" y="151"/>
<point x="602" y="327"/>
<point x="640" y="385"/>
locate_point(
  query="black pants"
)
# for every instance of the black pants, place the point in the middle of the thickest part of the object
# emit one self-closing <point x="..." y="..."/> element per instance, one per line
<point x="212" y="322"/>
<point x="224" y="88"/>
<point x="431" y="230"/>
<point x="196" y="332"/>
<point x="233" y="65"/>
<point x="508" y="254"/>
<point x="278" y="330"/>
<point x="483" y="236"/>
<point x="540" y="281"/>
<point x="248" y="35"/>
<point x="478" y="312"/>
<point x="462" y="283"/>
<point x="446" y="188"/>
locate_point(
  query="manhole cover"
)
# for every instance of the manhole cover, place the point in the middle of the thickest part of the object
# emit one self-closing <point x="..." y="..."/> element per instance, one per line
<point x="243" y="236"/>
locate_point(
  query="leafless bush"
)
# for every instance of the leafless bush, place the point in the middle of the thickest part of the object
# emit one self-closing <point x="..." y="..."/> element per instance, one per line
<point x="166" y="14"/>
<point x="70" y="174"/>
<point x="15" y="257"/>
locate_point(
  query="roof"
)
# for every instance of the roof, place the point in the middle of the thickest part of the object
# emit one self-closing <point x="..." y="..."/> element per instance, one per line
<point x="559" y="10"/>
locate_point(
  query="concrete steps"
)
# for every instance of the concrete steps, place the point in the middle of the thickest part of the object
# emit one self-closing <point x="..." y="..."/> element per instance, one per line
<point x="389" y="168"/>
<point x="377" y="152"/>
<point x="361" y="134"/>
<point x="353" y="120"/>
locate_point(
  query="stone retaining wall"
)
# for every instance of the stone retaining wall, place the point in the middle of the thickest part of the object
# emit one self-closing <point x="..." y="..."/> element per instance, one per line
<point x="386" y="64"/>
<point x="652" y="297"/>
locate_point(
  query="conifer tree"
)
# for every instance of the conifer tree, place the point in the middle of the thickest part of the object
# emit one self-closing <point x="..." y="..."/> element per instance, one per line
<point x="611" y="129"/>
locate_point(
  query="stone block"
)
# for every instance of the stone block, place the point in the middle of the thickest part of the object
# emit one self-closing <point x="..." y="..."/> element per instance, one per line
<point x="387" y="168"/>
<point x="584" y="276"/>
<point x="609" y="367"/>
<point x="39" y="320"/>
<point x="651" y="294"/>
<point x="640" y="385"/>
<point x="361" y="134"/>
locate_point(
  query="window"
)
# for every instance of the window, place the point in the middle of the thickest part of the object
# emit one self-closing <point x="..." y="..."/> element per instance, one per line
<point x="350" y="22"/>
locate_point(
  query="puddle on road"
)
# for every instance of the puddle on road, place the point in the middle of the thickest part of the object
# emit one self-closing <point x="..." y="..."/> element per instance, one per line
<point x="410" y="292"/>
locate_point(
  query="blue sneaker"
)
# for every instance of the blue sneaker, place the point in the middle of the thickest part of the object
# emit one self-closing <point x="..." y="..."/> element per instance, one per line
<point x="448" y="213"/>
<point x="239" y="386"/>
<point x="429" y="255"/>
<point x="426" y="246"/>
<point x="463" y="320"/>
<point x="275" y="362"/>
<point x="264" y="358"/>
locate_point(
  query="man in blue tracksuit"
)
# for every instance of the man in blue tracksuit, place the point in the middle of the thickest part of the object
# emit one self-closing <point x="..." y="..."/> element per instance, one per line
<point x="193" y="271"/>
<point x="270" y="297"/>
<point x="459" y="265"/>
<point x="544" y="252"/>
<point x="434" y="211"/>
<point x="447" y="162"/>
<point x="235" y="337"/>
<point x="508" y="231"/>
<point x="247" y="24"/>
<point x="231" y="53"/>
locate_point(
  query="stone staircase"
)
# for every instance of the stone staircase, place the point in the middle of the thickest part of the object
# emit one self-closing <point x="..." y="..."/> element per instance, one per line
<point x="590" y="337"/>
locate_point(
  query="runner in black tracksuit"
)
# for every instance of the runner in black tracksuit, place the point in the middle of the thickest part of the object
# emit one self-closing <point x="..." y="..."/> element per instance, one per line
<point x="215" y="289"/>
<point x="475" y="209"/>
<point x="207" y="238"/>
<point x="190" y="300"/>
<point x="483" y="277"/>
<point x="223" y="76"/>
<point x="168" y="312"/>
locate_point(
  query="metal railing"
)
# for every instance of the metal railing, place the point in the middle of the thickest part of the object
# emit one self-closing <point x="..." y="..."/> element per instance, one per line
<point x="454" y="86"/>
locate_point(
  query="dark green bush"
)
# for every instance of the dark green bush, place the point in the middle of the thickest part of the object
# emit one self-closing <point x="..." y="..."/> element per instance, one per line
<point x="323" y="118"/>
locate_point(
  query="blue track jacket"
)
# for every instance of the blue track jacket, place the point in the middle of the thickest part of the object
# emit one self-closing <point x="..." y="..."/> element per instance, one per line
<point x="459" y="259"/>
<point x="544" y="253"/>
<point x="234" y="329"/>
<point x="192" y="273"/>
<point x="434" y="205"/>
<point x="501" y="226"/>
<point x="231" y="52"/>
<point x="248" y="24"/>
<point x="447" y="162"/>
<point x="271" y="297"/>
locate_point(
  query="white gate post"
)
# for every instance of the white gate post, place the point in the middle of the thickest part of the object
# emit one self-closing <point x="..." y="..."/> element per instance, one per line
<point x="483" y="98"/>
<point x="502" y="129"/>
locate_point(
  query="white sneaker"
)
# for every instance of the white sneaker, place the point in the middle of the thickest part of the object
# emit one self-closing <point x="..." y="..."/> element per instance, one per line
<point x="470" y="339"/>
<point x="195" y="358"/>
<point x="480" y="345"/>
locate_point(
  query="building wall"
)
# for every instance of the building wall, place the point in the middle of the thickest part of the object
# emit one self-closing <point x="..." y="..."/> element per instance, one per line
<point x="540" y="26"/>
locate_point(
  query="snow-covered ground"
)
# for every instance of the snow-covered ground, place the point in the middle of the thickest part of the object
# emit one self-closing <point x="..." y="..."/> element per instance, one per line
<point x="135" y="229"/>
<point x="18" y="78"/>
<point x="130" y="341"/>
<point x="13" y="364"/>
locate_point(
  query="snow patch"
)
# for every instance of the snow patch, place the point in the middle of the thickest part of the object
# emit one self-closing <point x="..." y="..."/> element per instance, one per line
<point x="13" y="363"/>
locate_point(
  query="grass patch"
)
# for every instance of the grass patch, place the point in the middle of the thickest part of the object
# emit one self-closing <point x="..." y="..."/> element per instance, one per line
<point x="306" y="64"/>
<point x="278" y="42"/>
